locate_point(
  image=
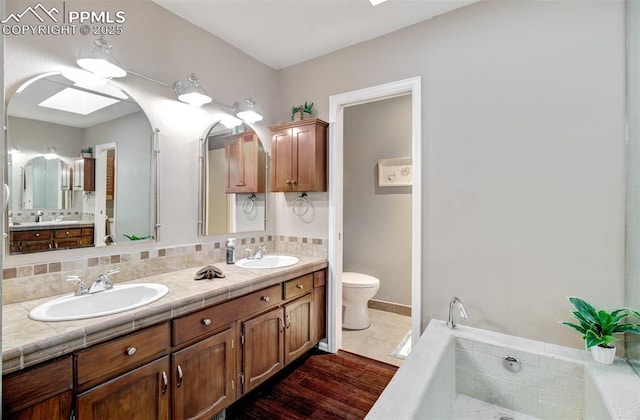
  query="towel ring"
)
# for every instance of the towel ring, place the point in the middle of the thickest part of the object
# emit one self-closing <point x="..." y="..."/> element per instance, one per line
<point x="248" y="204"/>
<point x="301" y="205"/>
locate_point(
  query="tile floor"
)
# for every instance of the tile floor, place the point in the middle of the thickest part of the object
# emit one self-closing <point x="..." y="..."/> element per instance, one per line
<point x="380" y="339"/>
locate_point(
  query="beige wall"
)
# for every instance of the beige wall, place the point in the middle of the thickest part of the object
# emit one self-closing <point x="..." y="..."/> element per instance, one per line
<point x="524" y="144"/>
<point x="377" y="220"/>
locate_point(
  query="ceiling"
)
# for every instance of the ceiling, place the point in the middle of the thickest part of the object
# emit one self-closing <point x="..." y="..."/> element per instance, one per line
<point x="280" y="33"/>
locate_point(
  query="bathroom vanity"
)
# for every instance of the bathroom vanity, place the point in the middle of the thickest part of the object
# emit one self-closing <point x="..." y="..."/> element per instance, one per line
<point x="35" y="237"/>
<point x="188" y="355"/>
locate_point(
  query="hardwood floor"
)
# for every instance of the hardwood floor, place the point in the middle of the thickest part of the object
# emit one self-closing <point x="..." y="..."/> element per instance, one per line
<point x="322" y="386"/>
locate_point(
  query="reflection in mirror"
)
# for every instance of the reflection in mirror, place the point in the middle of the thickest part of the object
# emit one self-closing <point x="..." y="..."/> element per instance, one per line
<point x="233" y="178"/>
<point x="79" y="165"/>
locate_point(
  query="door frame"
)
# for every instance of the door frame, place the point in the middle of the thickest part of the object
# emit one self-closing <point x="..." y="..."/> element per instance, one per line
<point x="337" y="103"/>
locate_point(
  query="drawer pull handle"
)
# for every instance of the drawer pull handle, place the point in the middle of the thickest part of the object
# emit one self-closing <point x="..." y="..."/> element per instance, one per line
<point x="265" y="298"/>
<point x="179" y="377"/>
<point x="131" y="351"/>
<point x="300" y="286"/>
<point x="288" y="323"/>
<point x="165" y="382"/>
<point x="37" y="235"/>
<point x="206" y="322"/>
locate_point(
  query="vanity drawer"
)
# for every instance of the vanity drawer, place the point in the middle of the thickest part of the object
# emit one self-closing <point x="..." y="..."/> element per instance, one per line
<point x="298" y="286"/>
<point x="32" y="235"/>
<point x="105" y="361"/>
<point x="206" y="321"/>
<point x="67" y="233"/>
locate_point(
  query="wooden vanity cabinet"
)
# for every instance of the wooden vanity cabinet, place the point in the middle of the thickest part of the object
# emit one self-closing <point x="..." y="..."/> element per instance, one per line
<point x="203" y="376"/>
<point x="127" y="377"/>
<point x="142" y="393"/>
<point x="299" y="156"/>
<point x="36" y="240"/>
<point x="40" y="393"/>
<point x="246" y="164"/>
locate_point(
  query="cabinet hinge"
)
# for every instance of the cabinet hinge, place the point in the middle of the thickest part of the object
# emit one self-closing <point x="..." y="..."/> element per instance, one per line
<point x="242" y="378"/>
<point x="72" y="415"/>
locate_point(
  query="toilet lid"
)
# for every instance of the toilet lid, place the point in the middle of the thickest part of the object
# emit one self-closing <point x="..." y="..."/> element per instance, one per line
<point x="350" y="279"/>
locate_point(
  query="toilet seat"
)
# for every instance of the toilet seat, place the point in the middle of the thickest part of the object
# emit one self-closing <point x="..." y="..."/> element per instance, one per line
<point x="356" y="280"/>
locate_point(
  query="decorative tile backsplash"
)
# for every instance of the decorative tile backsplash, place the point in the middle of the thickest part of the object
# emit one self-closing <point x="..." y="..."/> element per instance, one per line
<point x="49" y="279"/>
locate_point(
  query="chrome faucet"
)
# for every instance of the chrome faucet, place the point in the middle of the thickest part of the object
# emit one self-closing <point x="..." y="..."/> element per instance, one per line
<point x="262" y="249"/>
<point x="103" y="282"/>
<point x="463" y="313"/>
<point x="82" y="288"/>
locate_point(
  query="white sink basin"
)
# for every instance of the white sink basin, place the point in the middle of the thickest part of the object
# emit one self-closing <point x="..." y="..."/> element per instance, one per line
<point x="268" y="261"/>
<point x="120" y="298"/>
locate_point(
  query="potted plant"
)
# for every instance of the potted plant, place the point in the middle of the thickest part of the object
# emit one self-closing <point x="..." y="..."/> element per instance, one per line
<point x="86" y="152"/>
<point x="599" y="327"/>
<point x="298" y="112"/>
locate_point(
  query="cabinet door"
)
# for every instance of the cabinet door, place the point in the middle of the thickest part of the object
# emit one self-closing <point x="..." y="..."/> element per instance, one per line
<point x="300" y="327"/>
<point x="304" y="158"/>
<point x="203" y="376"/>
<point x="319" y="301"/>
<point x="243" y="157"/>
<point x="142" y="393"/>
<point x="281" y="160"/>
<point x="263" y="348"/>
<point x="57" y="407"/>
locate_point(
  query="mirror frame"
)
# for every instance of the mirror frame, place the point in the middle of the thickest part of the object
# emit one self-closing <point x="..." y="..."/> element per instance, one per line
<point x="154" y="174"/>
<point x="203" y="184"/>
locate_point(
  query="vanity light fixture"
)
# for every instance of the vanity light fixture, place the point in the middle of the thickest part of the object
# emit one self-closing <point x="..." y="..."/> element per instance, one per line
<point x="376" y="2"/>
<point x="246" y="110"/>
<point x="189" y="91"/>
<point x="98" y="60"/>
<point x="51" y="153"/>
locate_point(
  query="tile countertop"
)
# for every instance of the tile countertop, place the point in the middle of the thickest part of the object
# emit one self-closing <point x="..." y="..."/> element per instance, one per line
<point x="26" y="342"/>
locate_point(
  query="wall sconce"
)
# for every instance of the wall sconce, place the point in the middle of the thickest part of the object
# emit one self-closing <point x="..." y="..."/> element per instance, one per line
<point x="98" y="60"/>
<point x="246" y="110"/>
<point x="189" y="91"/>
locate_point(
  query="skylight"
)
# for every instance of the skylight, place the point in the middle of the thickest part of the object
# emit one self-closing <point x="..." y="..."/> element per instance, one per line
<point x="77" y="101"/>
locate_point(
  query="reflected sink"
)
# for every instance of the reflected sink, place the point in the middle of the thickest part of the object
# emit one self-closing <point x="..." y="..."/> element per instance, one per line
<point x="268" y="261"/>
<point x="119" y="299"/>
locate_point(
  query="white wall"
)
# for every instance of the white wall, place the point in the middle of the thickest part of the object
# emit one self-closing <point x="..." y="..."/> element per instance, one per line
<point x="523" y="131"/>
<point x="132" y="136"/>
<point x="377" y="220"/>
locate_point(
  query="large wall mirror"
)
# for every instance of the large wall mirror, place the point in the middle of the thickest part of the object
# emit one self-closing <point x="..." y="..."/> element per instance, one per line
<point x="233" y="181"/>
<point x="80" y="166"/>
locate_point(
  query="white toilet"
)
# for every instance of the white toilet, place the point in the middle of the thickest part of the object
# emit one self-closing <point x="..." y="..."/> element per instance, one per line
<point x="357" y="289"/>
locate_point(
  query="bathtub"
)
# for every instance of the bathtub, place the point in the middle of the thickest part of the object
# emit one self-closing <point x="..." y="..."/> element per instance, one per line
<point x="460" y="374"/>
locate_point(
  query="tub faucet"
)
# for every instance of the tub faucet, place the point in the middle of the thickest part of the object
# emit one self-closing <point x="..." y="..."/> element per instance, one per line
<point x="463" y="313"/>
<point x="103" y="282"/>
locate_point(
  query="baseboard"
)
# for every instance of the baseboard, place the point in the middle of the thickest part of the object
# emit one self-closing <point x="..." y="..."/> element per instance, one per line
<point x="395" y="308"/>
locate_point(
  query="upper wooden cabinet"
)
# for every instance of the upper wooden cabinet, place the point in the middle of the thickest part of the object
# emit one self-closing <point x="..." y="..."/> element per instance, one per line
<point x="245" y="159"/>
<point x="84" y="174"/>
<point x="299" y="156"/>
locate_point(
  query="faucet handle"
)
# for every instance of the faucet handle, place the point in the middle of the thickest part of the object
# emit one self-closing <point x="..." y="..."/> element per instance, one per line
<point x="82" y="288"/>
<point x="249" y="253"/>
<point x="112" y="271"/>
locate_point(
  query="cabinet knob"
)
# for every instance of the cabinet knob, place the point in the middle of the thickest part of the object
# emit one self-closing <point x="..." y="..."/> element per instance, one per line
<point x="37" y="235"/>
<point x="131" y="351"/>
<point x="206" y="322"/>
<point x="265" y="298"/>
<point x="66" y="233"/>
<point x="294" y="182"/>
<point x="300" y="286"/>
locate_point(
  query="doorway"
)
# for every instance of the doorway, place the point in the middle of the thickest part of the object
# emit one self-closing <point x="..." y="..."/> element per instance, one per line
<point x="105" y="197"/>
<point x="337" y="105"/>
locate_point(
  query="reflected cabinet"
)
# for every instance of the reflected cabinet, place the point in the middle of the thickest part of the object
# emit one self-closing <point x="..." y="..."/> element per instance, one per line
<point x="245" y="158"/>
<point x="299" y="156"/>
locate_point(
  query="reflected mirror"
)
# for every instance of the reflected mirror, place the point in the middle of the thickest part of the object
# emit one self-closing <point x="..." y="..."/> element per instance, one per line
<point x="233" y="181"/>
<point x="79" y="165"/>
